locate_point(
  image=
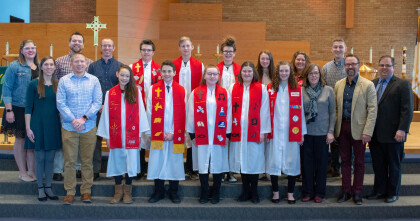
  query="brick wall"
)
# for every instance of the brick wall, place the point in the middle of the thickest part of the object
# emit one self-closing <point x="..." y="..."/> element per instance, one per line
<point x="52" y="11"/>
<point x="377" y="23"/>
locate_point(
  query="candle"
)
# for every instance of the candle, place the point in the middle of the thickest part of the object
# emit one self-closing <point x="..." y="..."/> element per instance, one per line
<point x="198" y="49"/>
<point x="351" y="50"/>
<point x="217" y="49"/>
<point x="404" y="66"/>
<point x="370" y="54"/>
<point x="7" y="47"/>
<point x="51" y="50"/>
<point x="392" y="51"/>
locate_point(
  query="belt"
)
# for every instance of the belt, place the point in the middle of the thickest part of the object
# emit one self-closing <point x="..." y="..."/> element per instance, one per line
<point x="346" y="118"/>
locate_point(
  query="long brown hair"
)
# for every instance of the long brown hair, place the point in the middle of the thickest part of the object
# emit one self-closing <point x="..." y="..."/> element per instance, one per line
<point x="203" y="81"/>
<point x="21" y="58"/>
<point x="307" y="61"/>
<point x="305" y="82"/>
<point x="276" y="77"/>
<point x="41" y="80"/>
<point x="131" y="91"/>
<point x="255" y="77"/>
<point x="270" y="67"/>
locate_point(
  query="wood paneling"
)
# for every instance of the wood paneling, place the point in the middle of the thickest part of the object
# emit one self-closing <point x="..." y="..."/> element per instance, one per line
<point x="195" y="12"/>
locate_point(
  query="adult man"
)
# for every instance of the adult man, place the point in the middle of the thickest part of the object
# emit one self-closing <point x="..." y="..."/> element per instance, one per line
<point x="63" y="64"/>
<point x="104" y="69"/>
<point x="79" y="98"/>
<point x="146" y="73"/>
<point x="395" y="112"/>
<point x="356" y="115"/>
<point x="166" y="161"/>
<point x="333" y="72"/>
<point x="189" y="71"/>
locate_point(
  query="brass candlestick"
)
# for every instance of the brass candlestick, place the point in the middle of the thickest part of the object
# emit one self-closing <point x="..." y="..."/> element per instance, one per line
<point x="217" y="57"/>
<point x="198" y="56"/>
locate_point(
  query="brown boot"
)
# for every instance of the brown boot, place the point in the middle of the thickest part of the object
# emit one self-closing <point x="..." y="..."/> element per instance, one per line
<point x="118" y="194"/>
<point x="127" y="198"/>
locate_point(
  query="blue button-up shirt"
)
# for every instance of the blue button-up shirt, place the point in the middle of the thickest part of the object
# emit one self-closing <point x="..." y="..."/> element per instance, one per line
<point x="16" y="81"/>
<point x="77" y="97"/>
<point x="348" y="96"/>
<point x="106" y="73"/>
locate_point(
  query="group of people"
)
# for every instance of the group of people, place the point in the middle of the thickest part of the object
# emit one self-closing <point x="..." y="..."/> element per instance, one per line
<point x="245" y="119"/>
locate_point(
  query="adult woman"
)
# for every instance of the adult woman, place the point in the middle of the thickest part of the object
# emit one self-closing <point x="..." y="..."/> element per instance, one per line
<point x="319" y="106"/>
<point x="265" y="67"/>
<point x="122" y="121"/>
<point x="16" y="80"/>
<point x="251" y="122"/>
<point x="209" y="121"/>
<point x="300" y="61"/>
<point x="287" y="129"/>
<point x="43" y="127"/>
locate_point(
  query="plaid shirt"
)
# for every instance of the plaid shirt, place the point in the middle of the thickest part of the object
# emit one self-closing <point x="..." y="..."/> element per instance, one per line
<point x="64" y="65"/>
<point x="77" y="97"/>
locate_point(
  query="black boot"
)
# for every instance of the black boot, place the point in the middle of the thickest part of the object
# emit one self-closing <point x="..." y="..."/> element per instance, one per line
<point x="159" y="192"/>
<point x="245" y="188"/>
<point x="204" y="181"/>
<point x="173" y="191"/>
<point x="217" y="182"/>
<point x="254" y="188"/>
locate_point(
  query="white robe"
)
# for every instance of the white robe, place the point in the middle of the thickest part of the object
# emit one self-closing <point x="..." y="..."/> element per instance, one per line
<point x="228" y="77"/>
<point x="121" y="160"/>
<point x="248" y="157"/>
<point x="164" y="164"/>
<point x="210" y="158"/>
<point x="283" y="156"/>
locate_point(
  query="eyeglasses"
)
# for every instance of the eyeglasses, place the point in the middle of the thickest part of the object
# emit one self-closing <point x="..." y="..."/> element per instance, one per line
<point x="228" y="52"/>
<point x="351" y="64"/>
<point x="146" y="50"/>
<point x="385" y="65"/>
<point x="212" y="74"/>
<point x="27" y="48"/>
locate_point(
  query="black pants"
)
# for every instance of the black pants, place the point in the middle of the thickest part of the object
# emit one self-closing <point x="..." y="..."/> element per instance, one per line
<point x="335" y="157"/>
<point x="97" y="153"/>
<point x="291" y="182"/>
<point x="160" y="186"/>
<point x="188" y="163"/>
<point x="386" y="163"/>
<point x="314" y="166"/>
<point x="118" y="180"/>
<point x="204" y="182"/>
<point x="250" y="185"/>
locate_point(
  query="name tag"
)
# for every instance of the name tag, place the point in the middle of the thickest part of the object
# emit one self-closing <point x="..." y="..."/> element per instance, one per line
<point x="294" y="94"/>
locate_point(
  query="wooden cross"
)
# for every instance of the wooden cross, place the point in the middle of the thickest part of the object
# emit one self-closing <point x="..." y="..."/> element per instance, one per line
<point x="96" y="26"/>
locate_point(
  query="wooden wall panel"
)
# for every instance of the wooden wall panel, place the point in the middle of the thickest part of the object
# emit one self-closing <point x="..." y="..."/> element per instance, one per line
<point x="192" y="29"/>
<point x="145" y="9"/>
<point x="107" y="7"/>
<point x="244" y="30"/>
<point x="195" y="12"/>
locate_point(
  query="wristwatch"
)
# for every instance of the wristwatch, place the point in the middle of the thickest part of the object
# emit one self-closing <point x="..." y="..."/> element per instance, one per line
<point x="85" y="117"/>
<point x="9" y="110"/>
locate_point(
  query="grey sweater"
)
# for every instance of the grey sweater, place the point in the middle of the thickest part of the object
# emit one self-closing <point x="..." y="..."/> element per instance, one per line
<point x="325" y="121"/>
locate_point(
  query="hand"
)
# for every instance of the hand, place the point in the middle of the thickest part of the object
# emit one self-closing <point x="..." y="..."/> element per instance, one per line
<point x="330" y="138"/>
<point x="262" y="138"/>
<point x="168" y="136"/>
<point x="78" y="124"/>
<point x="193" y="142"/>
<point x="10" y="117"/>
<point x="30" y="135"/>
<point x="100" y="110"/>
<point x="301" y="142"/>
<point x="108" y="144"/>
<point x="400" y="136"/>
<point x="366" y="138"/>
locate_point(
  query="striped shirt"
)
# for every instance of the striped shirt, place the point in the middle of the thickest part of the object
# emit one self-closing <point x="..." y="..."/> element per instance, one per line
<point x="77" y="97"/>
<point x="63" y="64"/>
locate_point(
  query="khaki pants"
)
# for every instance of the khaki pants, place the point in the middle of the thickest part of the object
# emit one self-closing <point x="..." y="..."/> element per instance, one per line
<point x="71" y="142"/>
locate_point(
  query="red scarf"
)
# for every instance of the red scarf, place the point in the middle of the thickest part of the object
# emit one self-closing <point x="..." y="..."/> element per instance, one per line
<point x="254" y="109"/>
<point x="196" y="71"/>
<point x="158" y="115"/>
<point x="132" y="140"/>
<point x="236" y="69"/>
<point x="200" y="116"/>
<point x="138" y="70"/>
<point x="295" y="112"/>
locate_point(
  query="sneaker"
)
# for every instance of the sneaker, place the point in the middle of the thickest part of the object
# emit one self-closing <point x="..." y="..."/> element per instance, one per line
<point x="26" y="178"/>
<point x="232" y="179"/>
<point x="193" y="175"/>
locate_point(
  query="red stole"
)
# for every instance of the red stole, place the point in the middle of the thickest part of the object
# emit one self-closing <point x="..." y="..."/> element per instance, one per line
<point x="254" y="109"/>
<point x="132" y="140"/>
<point x="295" y="112"/>
<point x="138" y="72"/>
<point x="200" y="116"/>
<point x="236" y="69"/>
<point x="158" y="115"/>
<point x="196" y="71"/>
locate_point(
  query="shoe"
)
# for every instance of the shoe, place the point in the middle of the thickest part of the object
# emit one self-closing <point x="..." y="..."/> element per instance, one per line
<point x="57" y="177"/>
<point x="174" y="198"/>
<point x="318" y="199"/>
<point x="243" y="198"/>
<point x="68" y="200"/>
<point x="344" y="197"/>
<point x="26" y="178"/>
<point x="255" y="199"/>
<point x="118" y="194"/>
<point x="42" y="199"/>
<point x="86" y="198"/>
<point x="215" y="199"/>
<point x="291" y="201"/>
<point x="275" y="200"/>
<point x="78" y="174"/>
<point x="95" y="176"/>
<point x="139" y="176"/>
<point x="204" y="197"/>
<point x="305" y="199"/>
<point x="357" y="198"/>
<point x="232" y="178"/>
<point x="52" y="197"/>
<point x="375" y="196"/>
<point x="391" y="199"/>
<point x="335" y="173"/>
<point x="156" y="197"/>
<point x="193" y="175"/>
<point x="299" y="178"/>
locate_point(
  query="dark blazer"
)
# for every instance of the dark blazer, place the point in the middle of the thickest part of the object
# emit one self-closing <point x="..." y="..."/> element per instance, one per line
<point x="395" y="110"/>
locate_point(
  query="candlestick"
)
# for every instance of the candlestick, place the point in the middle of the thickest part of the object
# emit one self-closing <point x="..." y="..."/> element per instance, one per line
<point x="51" y="50"/>
<point x="198" y="49"/>
<point x="370" y="54"/>
<point x="7" y="47"/>
<point x="392" y="51"/>
<point x="351" y="50"/>
<point x="404" y="65"/>
<point x="217" y="50"/>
